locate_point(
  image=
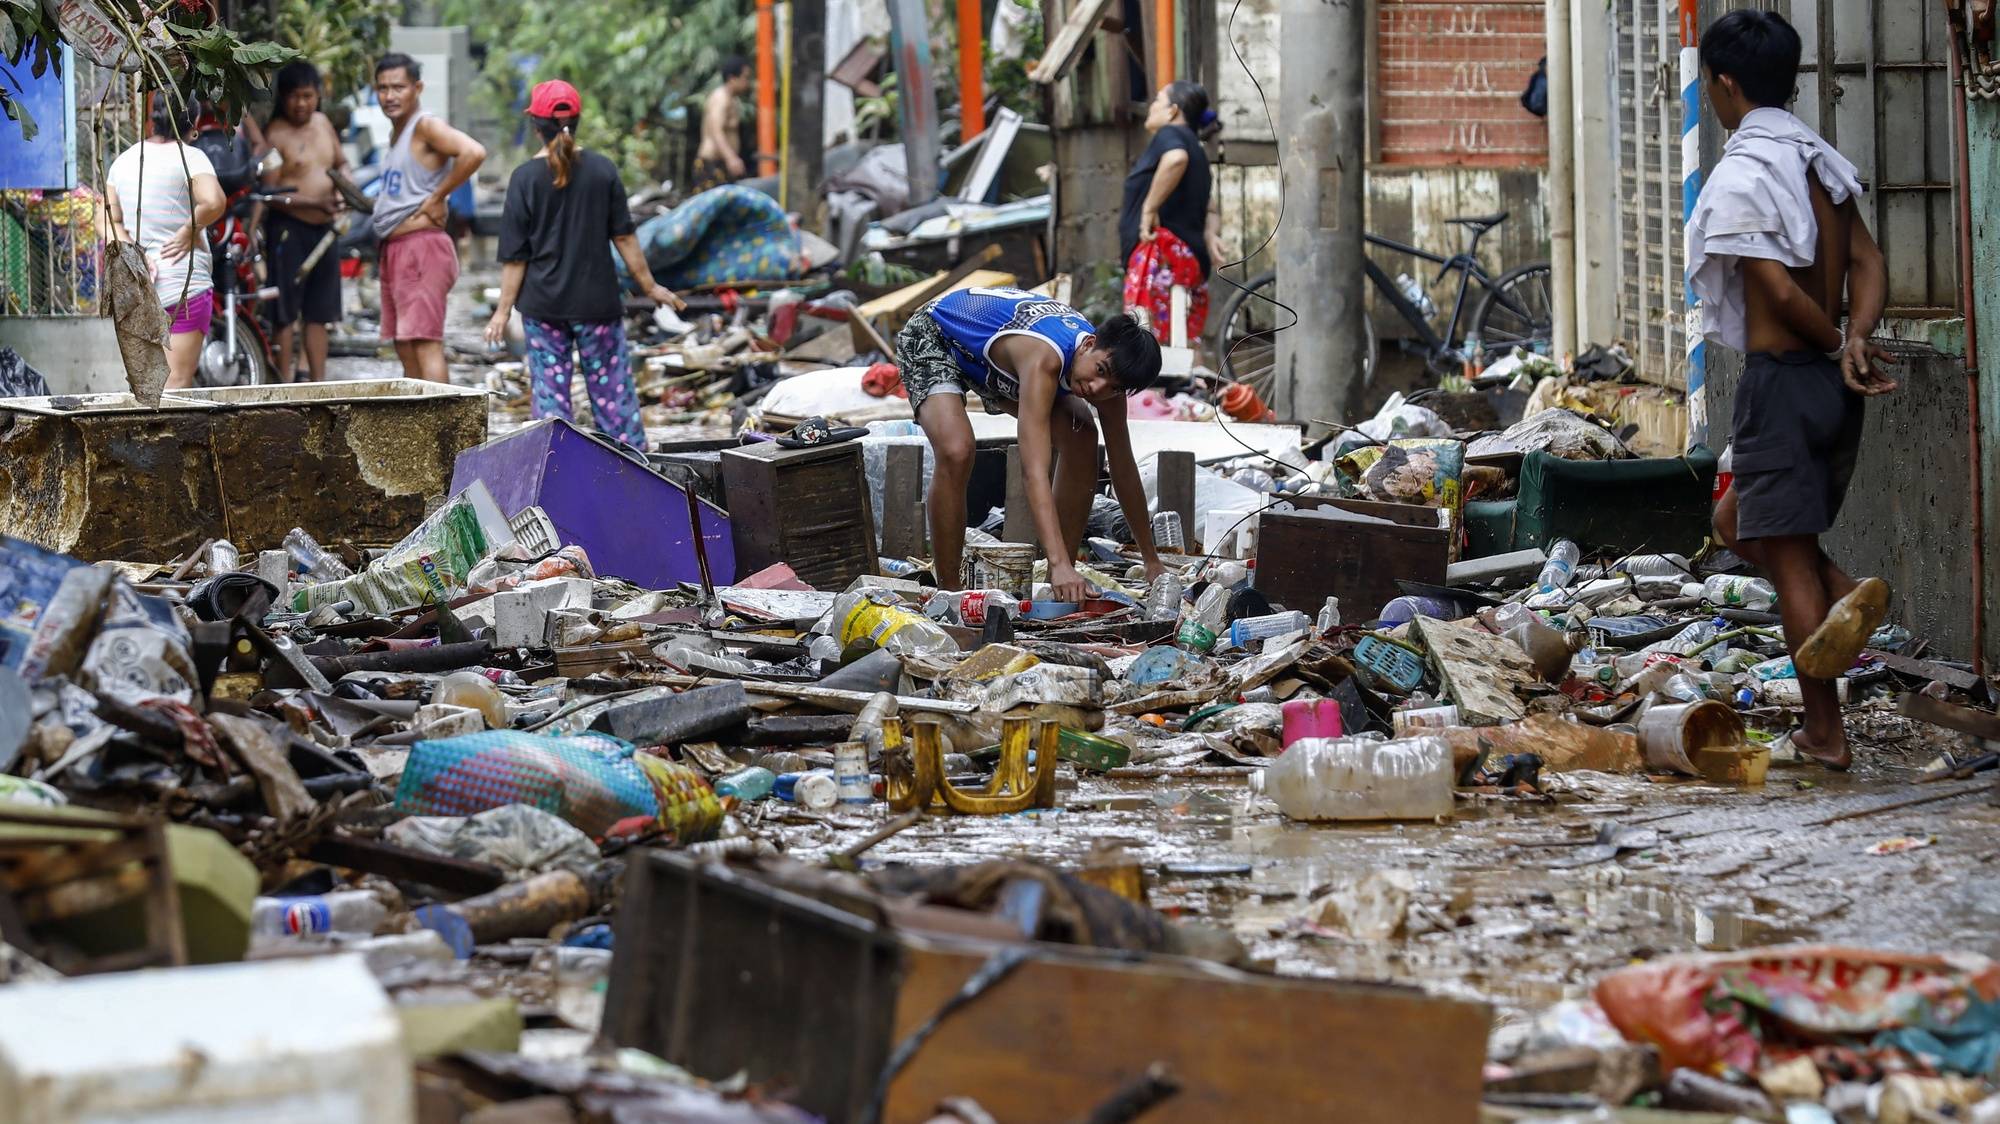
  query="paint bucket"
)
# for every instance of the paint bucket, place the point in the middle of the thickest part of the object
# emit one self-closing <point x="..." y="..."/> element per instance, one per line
<point x="1670" y="736"/>
<point x="1008" y="565"/>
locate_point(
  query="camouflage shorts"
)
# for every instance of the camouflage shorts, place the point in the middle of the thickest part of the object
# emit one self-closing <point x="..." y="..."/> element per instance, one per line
<point x="928" y="365"/>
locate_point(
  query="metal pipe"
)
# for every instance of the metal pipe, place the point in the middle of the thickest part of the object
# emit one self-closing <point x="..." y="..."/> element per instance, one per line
<point x="1959" y="69"/>
<point x="971" y="72"/>
<point x="1562" y="179"/>
<point x="1164" y="53"/>
<point x="767" y="88"/>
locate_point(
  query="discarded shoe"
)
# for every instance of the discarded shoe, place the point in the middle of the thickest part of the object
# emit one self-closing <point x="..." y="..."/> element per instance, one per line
<point x="1830" y="650"/>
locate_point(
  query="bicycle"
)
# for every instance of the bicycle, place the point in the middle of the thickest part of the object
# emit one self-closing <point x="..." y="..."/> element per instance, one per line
<point x="1515" y="310"/>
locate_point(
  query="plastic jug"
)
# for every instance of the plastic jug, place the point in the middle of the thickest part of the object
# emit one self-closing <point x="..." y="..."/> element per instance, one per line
<point x="1311" y="718"/>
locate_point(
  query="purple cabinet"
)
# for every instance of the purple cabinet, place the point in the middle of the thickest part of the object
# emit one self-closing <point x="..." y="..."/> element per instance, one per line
<point x="630" y="520"/>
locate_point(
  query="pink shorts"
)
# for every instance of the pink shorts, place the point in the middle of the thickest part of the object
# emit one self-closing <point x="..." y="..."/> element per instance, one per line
<point x="418" y="271"/>
<point x="193" y="314"/>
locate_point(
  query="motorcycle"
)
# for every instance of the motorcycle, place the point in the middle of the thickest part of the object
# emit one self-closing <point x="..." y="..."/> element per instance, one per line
<point x="238" y="351"/>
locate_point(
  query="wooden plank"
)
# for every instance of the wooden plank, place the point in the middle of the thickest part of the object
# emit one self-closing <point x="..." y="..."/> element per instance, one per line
<point x="401" y="864"/>
<point x="1020" y="525"/>
<point x="1481" y="672"/>
<point x="1176" y="490"/>
<point x="1937" y="712"/>
<point x="891" y="309"/>
<point x="1070" y="41"/>
<point x="903" y="517"/>
<point x="1926" y="669"/>
<point x="865" y="338"/>
<point x="1084" y="1023"/>
<point x="1303" y="559"/>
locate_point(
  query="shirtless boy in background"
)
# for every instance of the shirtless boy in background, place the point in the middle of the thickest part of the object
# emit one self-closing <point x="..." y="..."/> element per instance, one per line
<point x="716" y="162"/>
<point x="295" y="228"/>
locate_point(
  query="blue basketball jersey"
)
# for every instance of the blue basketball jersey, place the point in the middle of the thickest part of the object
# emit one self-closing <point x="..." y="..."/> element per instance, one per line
<point x="973" y="318"/>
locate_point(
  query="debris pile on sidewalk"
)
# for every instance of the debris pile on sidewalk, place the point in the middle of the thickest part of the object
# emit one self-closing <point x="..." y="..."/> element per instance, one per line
<point x="591" y="696"/>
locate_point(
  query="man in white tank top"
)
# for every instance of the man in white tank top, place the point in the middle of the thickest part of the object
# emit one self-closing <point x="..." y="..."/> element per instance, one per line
<point x="418" y="263"/>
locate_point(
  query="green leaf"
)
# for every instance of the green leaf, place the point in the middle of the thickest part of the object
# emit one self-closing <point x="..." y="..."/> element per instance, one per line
<point x="263" y="54"/>
<point x="18" y="112"/>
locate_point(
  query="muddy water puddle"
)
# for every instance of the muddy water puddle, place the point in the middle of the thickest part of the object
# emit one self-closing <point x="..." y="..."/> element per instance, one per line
<point x="1519" y="903"/>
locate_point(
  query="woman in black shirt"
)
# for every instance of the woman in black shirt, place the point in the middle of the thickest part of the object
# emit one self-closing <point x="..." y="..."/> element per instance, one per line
<point x="1163" y="229"/>
<point x="561" y="207"/>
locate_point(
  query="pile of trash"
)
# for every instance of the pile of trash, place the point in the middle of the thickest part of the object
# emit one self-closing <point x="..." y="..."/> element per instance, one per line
<point x="486" y="769"/>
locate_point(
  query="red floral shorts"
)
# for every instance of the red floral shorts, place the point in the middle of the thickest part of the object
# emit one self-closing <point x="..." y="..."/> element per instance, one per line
<point x="1156" y="267"/>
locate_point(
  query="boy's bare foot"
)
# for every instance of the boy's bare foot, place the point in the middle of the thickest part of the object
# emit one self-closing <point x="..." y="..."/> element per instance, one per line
<point x="1830" y="650"/>
<point x="1839" y="760"/>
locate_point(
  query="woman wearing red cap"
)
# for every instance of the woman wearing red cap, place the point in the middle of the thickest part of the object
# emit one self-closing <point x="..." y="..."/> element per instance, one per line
<point x="561" y="206"/>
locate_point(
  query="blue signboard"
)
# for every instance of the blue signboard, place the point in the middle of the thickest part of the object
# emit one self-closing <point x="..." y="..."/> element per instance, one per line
<point x="47" y="163"/>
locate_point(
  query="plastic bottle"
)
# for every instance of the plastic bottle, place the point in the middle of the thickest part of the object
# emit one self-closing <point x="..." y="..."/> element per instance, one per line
<point x="1198" y="632"/>
<point x="815" y="791"/>
<point x="343" y="911"/>
<point x="473" y="690"/>
<point x="1361" y="779"/>
<point x="1687" y="640"/>
<point x="223" y="557"/>
<point x="313" y="561"/>
<point x="1164" y="598"/>
<point x="1561" y="565"/>
<point x="1168" y="534"/>
<point x="968" y="607"/>
<point x="1228" y="574"/>
<point x="1329" y="615"/>
<point x="878" y="616"/>
<point x="1248" y="630"/>
<point x="1414" y="292"/>
<point x="746" y="784"/>
<point x="864" y="743"/>
<point x="1405" y="609"/>
<point x="1739" y="591"/>
<point x="697" y="660"/>
<point x="1652" y="566"/>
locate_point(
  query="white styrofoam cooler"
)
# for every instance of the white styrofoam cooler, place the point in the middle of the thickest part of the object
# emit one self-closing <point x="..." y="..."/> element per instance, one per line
<point x="311" y="1040"/>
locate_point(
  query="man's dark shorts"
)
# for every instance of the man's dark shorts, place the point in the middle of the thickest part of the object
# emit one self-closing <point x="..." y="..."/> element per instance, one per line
<point x="1794" y="438"/>
<point x="928" y="368"/>
<point x="314" y="298"/>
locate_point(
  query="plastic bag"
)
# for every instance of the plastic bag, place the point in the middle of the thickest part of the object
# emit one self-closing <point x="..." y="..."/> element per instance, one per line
<point x="519" y="839"/>
<point x="1425" y="471"/>
<point x="1398" y="419"/>
<point x="589" y="780"/>
<point x="432" y="563"/>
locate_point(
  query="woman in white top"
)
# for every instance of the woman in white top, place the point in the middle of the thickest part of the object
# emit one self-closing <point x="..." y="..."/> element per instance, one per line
<point x="162" y="194"/>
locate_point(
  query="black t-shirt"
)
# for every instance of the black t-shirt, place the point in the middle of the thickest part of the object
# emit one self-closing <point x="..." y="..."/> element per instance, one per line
<point x="1185" y="211"/>
<point x="563" y="235"/>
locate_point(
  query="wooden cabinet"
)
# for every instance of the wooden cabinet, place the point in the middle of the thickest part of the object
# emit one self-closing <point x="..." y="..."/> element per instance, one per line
<point x="805" y="507"/>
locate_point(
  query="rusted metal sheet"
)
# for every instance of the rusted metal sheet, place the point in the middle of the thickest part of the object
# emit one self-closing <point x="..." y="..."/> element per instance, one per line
<point x="101" y="477"/>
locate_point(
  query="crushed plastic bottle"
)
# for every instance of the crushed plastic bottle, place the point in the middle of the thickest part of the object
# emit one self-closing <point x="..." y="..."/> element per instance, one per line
<point x="1402" y="610"/>
<point x="1248" y="630"/>
<point x="1164" y="598"/>
<point x="878" y="616"/>
<point x="1739" y="591"/>
<point x="1361" y="778"/>
<point x="343" y="911"/>
<point x="1560" y="567"/>
<point x="1199" y="630"/>
<point x="313" y="561"/>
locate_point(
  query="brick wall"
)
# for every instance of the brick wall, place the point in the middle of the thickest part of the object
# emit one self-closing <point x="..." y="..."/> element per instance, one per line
<point x="1450" y="80"/>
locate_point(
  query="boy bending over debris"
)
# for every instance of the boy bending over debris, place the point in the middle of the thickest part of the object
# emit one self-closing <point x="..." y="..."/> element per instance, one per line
<point x="1775" y="242"/>
<point x="1041" y="361"/>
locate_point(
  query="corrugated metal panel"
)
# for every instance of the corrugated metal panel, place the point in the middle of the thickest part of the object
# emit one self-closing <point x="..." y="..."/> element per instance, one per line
<point x="1651" y="295"/>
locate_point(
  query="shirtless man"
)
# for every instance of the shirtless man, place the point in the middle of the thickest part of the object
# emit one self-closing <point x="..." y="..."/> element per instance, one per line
<point x="295" y="227"/>
<point x="418" y="263"/>
<point x="717" y="162"/>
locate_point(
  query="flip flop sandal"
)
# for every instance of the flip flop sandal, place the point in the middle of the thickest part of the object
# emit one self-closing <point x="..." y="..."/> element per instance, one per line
<point x="818" y="431"/>
<point x="1785" y="752"/>
<point x="1831" y="649"/>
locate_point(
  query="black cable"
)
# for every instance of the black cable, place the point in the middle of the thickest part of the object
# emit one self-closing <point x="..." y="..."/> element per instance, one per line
<point x="1228" y="33"/>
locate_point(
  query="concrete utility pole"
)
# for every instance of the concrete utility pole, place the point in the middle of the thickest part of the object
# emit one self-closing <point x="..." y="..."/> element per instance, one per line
<point x="910" y="48"/>
<point x="1562" y="178"/>
<point x="1320" y="271"/>
<point x="805" y="147"/>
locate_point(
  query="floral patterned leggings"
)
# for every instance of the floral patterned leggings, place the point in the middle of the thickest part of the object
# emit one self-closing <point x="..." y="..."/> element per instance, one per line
<point x="599" y="347"/>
